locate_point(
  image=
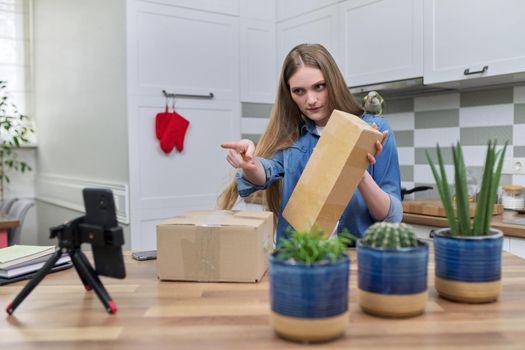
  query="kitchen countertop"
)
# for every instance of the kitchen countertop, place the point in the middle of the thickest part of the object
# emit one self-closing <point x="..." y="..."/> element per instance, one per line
<point x="60" y="314"/>
<point x="511" y="230"/>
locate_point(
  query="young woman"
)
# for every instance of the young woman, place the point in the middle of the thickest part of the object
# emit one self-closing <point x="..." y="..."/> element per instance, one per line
<point x="311" y="86"/>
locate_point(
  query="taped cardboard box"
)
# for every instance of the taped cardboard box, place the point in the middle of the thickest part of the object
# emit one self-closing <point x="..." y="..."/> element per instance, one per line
<point x="332" y="173"/>
<point x="215" y="246"/>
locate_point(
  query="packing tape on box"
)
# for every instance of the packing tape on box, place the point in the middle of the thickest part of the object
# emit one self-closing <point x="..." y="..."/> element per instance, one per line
<point x="201" y="257"/>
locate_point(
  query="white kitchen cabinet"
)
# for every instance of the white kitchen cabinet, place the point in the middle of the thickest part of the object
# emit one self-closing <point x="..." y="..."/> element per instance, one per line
<point x="468" y="40"/>
<point x="320" y="27"/>
<point x="292" y="8"/>
<point x="379" y="46"/>
<point x="258" y="61"/>
<point x="182" y="51"/>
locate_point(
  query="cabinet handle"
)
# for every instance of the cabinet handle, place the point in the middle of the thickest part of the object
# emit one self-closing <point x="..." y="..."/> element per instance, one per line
<point x="482" y="70"/>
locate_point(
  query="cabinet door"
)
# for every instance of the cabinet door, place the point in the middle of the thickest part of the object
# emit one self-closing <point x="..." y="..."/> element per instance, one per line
<point x="258" y="61"/>
<point x="380" y="46"/>
<point x="187" y="52"/>
<point x="291" y="8"/>
<point x="319" y="27"/>
<point x="463" y="37"/>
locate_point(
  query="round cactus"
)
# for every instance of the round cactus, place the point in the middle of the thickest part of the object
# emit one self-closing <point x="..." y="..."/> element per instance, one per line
<point x="387" y="235"/>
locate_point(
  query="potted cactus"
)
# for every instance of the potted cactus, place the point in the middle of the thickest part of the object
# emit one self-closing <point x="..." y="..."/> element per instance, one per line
<point x="309" y="279"/>
<point x="468" y="253"/>
<point x="392" y="267"/>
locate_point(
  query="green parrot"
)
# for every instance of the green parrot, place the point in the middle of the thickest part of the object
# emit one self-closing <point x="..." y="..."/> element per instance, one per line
<point x="373" y="103"/>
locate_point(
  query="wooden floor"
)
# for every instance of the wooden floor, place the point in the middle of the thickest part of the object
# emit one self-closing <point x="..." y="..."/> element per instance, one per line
<point x="59" y="314"/>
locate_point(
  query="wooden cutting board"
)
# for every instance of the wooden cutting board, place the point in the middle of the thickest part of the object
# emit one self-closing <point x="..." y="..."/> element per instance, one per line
<point x="435" y="208"/>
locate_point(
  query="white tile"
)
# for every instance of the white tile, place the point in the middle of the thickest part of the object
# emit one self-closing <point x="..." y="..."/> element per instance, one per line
<point x="406" y="155"/>
<point x="494" y="115"/>
<point x="518" y="180"/>
<point x="401" y="121"/>
<point x="518" y="135"/>
<point x="436" y="102"/>
<point x="430" y="137"/>
<point x="423" y="173"/>
<point x="407" y="184"/>
<point x="253" y="125"/>
<point x="475" y="155"/>
<point x="519" y="94"/>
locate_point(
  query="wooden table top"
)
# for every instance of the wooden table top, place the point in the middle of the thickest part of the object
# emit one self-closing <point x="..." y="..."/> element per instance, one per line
<point x="59" y="314"/>
<point x="7" y="221"/>
<point x="498" y="221"/>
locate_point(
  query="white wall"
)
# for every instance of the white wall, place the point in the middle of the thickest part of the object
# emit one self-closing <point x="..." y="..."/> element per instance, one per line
<point x="79" y="99"/>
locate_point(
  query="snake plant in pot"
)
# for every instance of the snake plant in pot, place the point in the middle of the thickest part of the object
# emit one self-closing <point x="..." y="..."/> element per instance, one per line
<point x="309" y="278"/>
<point x="392" y="271"/>
<point x="468" y="253"/>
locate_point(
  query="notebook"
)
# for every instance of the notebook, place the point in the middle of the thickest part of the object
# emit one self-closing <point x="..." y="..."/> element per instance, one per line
<point x="32" y="274"/>
<point x="17" y="254"/>
<point x="18" y="270"/>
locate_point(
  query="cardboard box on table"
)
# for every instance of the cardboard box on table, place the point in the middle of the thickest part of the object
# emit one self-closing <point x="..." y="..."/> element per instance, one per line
<point x="215" y="246"/>
<point x="332" y="173"/>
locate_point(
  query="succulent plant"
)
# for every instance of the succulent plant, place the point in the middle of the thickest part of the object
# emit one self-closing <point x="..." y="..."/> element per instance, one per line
<point x="390" y="235"/>
<point x="311" y="247"/>
<point x="460" y="223"/>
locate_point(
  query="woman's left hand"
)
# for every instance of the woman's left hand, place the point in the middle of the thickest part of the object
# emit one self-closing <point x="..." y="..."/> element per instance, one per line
<point x="378" y="145"/>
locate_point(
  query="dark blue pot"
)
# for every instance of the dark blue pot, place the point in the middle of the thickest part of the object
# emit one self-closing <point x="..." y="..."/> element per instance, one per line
<point x="393" y="271"/>
<point x="316" y="291"/>
<point x="468" y="259"/>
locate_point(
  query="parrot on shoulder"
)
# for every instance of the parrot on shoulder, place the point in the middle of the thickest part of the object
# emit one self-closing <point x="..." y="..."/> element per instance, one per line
<point x="373" y="103"/>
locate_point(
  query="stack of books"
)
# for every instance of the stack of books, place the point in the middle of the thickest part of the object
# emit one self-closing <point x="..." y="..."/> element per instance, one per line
<point x="19" y="262"/>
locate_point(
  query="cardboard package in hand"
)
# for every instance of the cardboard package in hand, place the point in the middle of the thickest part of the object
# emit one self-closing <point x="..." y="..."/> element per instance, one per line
<point x="332" y="173"/>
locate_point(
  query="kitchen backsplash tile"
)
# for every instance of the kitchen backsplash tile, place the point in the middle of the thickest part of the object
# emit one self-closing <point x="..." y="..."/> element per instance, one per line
<point x="487" y="97"/>
<point x="494" y="115"/>
<point x="444" y="118"/>
<point x="481" y="135"/>
<point x="519" y="113"/>
<point x="437" y="102"/>
<point x="399" y="105"/>
<point x="404" y="138"/>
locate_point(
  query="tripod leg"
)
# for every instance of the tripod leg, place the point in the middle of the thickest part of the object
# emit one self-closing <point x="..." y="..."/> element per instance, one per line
<point x="86" y="284"/>
<point x="88" y="274"/>
<point x="33" y="282"/>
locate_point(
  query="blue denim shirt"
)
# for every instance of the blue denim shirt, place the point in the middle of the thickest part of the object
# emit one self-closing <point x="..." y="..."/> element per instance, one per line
<point x="288" y="164"/>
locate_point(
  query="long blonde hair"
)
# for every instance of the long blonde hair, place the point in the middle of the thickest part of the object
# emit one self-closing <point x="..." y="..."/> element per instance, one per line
<point x="286" y="119"/>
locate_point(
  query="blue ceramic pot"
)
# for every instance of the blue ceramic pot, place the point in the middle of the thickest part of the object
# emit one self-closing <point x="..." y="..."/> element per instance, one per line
<point x="468" y="268"/>
<point x="309" y="303"/>
<point x="393" y="282"/>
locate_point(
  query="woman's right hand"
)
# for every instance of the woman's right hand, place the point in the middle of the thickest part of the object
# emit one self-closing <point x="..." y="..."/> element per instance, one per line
<point x="241" y="154"/>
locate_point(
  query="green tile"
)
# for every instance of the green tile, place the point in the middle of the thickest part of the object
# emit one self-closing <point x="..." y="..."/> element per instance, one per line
<point x="421" y="158"/>
<point x="446" y="118"/>
<point x="428" y="194"/>
<point x="398" y="105"/>
<point x="407" y="172"/>
<point x="519" y="151"/>
<point x="519" y="113"/>
<point x="487" y="97"/>
<point x="404" y="138"/>
<point x="254" y="137"/>
<point x="256" y="110"/>
<point x="480" y="135"/>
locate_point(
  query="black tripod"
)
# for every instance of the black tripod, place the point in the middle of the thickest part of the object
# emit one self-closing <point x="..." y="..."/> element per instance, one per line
<point x="70" y="236"/>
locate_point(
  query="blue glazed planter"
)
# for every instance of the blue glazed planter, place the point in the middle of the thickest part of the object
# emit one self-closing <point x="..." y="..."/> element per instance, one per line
<point x="309" y="303"/>
<point x="393" y="282"/>
<point x="468" y="269"/>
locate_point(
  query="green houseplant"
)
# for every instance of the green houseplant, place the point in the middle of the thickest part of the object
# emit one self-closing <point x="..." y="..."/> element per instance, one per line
<point x="15" y="129"/>
<point x="309" y="286"/>
<point x="392" y="271"/>
<point x="468" y="253"/>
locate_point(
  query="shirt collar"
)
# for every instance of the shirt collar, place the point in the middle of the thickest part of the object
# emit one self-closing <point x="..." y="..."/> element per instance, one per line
<point x="308" y="126"/>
